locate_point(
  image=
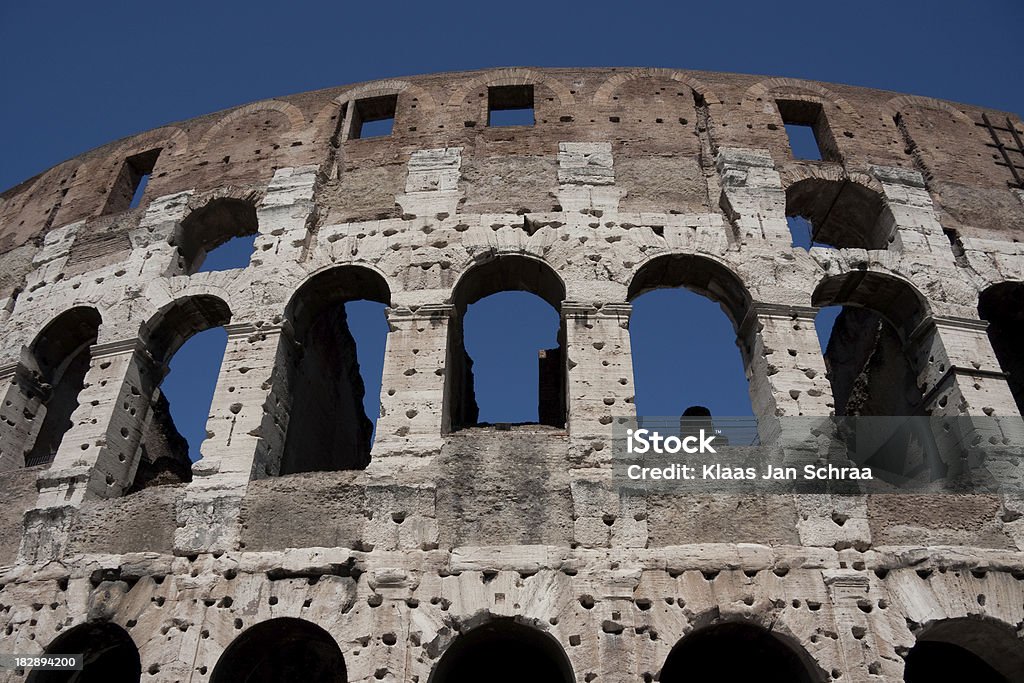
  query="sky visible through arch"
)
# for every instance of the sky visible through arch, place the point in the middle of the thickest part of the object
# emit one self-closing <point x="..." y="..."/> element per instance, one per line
<point x="79" y="75"/>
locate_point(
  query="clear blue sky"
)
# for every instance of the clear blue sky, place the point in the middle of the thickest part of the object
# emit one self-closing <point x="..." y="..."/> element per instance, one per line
<point x="78" y="75"/>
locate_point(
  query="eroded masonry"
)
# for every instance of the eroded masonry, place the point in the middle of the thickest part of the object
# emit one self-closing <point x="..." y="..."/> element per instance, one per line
<point x="451" y="550"/>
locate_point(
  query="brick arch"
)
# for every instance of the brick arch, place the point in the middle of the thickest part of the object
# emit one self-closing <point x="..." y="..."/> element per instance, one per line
<point x="892" y="296"/>
<point x="606" y="90"/>
<point x="321" y="122"/>
<point x="296" y="120"/>
<point x="512" y="77"/>
<point x="793" y="87"/>
<point x="171" y="139"/>
<point x="901" y="103"/>
<point x="793" y="173"/>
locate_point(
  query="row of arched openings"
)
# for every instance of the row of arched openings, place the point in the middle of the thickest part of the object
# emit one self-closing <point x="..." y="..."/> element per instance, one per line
<point x="506" y="650"/>
<point x="326" y="394"/>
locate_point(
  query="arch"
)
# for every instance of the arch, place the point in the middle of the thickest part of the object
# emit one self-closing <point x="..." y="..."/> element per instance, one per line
<point x="211" y="224"/>
<point x="604" y="93"/>
<point x="508" y="272"/>
<point x="330" y="286"/>
<point x="1002" y="306"/>
<point x="899" y="105"/>
<point x="170" y="139"/>
<point x="320" y="386"/>
<point x="736" y="651"/>
<point x="172" y="325"/>
<point x="978" y="650"/>
<point x="110" y="655"/>
<point x="504" y="273"/>
<point x="697" y="273"/>
<point x="294" y="115"/>
<point x="282" y="650"/>
<point x="503" y="651"/>
<point x="48" y="381"/>
<point x="512" y="77"/>
<point x="791" y="87"/>
<point x="845" y="211"/>
<point x="899" y="302"/>
<point x="321" y="122"/>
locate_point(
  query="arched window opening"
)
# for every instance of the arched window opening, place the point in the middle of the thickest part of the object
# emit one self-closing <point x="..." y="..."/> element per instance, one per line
<point x="1002" y="305"/>
<point x="222" y="224"/>
<point x="327" y="424"/>
<point x="503" y="651"/>
<point x="46" y="386"/>
<point x="190" y="382"/>
<point x="869" y="365"/>
<point x="873" y="370"/>
<point x="173" y="425"/>
<point x="283" y="650"/>
<point x="688" y="307"/>
<point x="973" y="650"/>
<point x="841" y="214"/>
<point x="109" y="655"/>
<point x="685" y="355"/>
<point x="507" y="335"/>
<point x="736" y="652"/>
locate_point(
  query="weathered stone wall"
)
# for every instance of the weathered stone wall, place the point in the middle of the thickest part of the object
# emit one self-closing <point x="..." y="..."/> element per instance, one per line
<point x="630" y="179"/>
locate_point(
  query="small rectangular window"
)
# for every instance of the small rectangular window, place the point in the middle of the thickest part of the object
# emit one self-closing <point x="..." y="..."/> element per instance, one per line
<point x="510" y="105"/>
<point x="373" y="117"/>
<point x="130" y="184"/>
<point x="808" y="131"/>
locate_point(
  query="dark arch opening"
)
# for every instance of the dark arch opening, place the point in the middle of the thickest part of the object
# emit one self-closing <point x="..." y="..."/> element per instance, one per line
<point x="673" y="296"/>
<point x="1002" y="305"/>
<point x="736" y="652"/>
<point x="212" y="225"/>
<point x="503" y="651"/>
<point x="975" y="650"/>
<point x="327" y="426"/>
<point x="498" y="275"/>
<point x="110" y="656"/>
<point x="283" y="650"/>
<point x="48" y="380"/>
<point x="842" y="213"/>
<point x="162" y="452"/>
<point x="873" y="367"/>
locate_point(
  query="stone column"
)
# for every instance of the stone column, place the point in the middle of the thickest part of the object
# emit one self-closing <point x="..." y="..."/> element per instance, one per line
<point x="97" y="456"/>
<point x="752" y="194"/>
<point x="599" y="384"/>
<point x="413" y="413"/>
<point x="785" y="367"/>
<point x="12" y="428"/>
<point x="245" y="438"/>
<point x="859" y="649"/>
<point x="285" y="214"/>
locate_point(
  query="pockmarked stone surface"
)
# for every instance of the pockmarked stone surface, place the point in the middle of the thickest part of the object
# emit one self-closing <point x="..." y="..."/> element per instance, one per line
<point x="449" y="550"/>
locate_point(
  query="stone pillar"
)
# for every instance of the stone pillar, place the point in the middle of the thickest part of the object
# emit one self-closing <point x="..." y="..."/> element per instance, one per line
<point x="913" y="224"/>
<point x="97" y="456"/>
<point x="959" y="371"/>
<point x="12" y="428"/>
<point x="245" y="438"/>
<point x="285" y="214"/>
<point x="752" y="194"/>
<point x="413" y="412"/>
<point x="153" y="255"/>
<point x="586" y="178"/>
<point x="600" y="375"/>
<point x="785" y="366"/>
<point x="432" y="185"/>
<point x="860" y="650"/>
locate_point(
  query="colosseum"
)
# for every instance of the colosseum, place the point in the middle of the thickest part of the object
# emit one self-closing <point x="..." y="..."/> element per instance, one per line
<point x="450" y="550"/>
